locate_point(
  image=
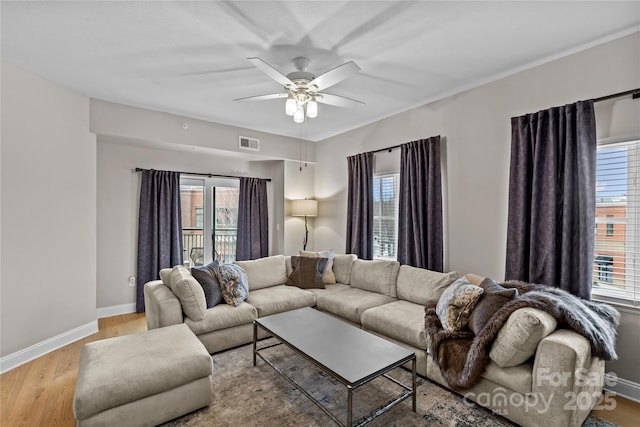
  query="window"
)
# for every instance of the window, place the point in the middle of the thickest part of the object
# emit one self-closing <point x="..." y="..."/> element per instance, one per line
<point x="199" y="219"/>
<point x="609" y="226"/>
<point x="616" y="271"/>
<point x="385" y="215"/>
<point x="209" y="208"/>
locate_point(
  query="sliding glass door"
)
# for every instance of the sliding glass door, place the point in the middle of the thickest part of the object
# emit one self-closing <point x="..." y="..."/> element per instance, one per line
<point x="209" y="219"/>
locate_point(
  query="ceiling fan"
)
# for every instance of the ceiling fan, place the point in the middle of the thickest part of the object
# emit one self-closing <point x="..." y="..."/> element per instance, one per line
<point x="303" y="89"/>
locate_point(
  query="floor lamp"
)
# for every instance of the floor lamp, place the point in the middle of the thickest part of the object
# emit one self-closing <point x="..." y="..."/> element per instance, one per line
<point x="305" y="208"/>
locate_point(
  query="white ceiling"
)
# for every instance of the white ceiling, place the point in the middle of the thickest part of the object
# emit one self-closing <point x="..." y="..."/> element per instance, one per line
<point x="189" y="58"/>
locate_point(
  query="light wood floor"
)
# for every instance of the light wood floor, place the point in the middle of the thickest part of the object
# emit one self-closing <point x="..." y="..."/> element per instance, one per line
<point x="40" y="393"/>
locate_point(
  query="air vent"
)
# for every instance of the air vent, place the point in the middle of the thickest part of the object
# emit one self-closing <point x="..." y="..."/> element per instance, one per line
<point x="247" y="143"/>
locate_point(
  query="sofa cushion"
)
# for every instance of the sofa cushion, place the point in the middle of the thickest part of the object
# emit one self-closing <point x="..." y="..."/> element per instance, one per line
<point x="456" y="304"/>
<point x="277" y="299"/>
<point x="420" y="285"/>
<point x="328" y="277"/>
<point x="307" y="272"/>
<point x="189" y="292"/>
<point x="518" y="378"/>
<point x="400" y="320"/>
<point x="265" y="272"/>
<point x="223" y="316"/>
<point x="518" y="339"/>
<point x="328" y="289"/>
<point x="233" y="283"/>
<point x="351" y="303"/>
<point x="375" y="276"/>
<point x="342" y="264"/>
<point x="206" y="276"/>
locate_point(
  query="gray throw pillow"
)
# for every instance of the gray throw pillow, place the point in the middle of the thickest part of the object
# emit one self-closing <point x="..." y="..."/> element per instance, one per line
<point x="233" y="283"/>
<point x="456" y="304"/>
<point x="307" y="272"/>
<point x="206" y="276"/>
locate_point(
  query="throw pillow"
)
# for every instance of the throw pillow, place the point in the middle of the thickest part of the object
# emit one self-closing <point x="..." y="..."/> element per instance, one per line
<point x="493" y="297"/>
<point x="328" y="276"/>
<point x="307" y="272"/>
<point x="206" y="276"/>
<point x="189" y="292"/>
<point x="456" y="304"/>
<point x="233" y="283"/>
<point x="518" y="339"/>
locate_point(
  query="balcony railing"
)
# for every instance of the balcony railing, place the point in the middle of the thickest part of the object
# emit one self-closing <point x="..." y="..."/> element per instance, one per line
<point x="224" y="246"/>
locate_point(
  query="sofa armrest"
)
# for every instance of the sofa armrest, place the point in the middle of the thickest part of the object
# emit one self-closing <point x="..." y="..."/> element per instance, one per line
<point x="565" y="373"/>
<point x="162" y="306"/>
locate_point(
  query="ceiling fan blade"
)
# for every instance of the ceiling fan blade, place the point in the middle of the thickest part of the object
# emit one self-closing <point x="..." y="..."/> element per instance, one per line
<point x="272" y="72"/>
<point x="335" y="75"/>
<point x="263" y="97"/>
<point x="337" y="100"/>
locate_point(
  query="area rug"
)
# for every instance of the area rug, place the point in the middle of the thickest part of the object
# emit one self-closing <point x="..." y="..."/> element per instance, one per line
<point x="244" y="395"/>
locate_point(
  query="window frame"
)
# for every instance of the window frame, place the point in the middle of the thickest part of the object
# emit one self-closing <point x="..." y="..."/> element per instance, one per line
<point x="630" y="295"/>
<point x="396" y="177"/>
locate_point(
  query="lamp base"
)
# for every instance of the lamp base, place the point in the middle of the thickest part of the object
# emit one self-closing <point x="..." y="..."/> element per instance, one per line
<point x="306" y="235"/>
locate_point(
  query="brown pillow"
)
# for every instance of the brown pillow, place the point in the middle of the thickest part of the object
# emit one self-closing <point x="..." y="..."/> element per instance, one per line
<point x="328" y="277"/>
<point x="493" y="297"/>
<point x="307" y="272"/>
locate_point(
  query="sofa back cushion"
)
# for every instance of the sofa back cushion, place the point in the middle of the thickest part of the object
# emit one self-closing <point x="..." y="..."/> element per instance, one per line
<point x="342" y="264"/>
<point x="419" y="285"/>
<point x="165" y="276"/>
<point x="189" y="292"/>
<point x="375" y="276"/>
<point x="265" y="272"/>
<point x="518" y="339"/>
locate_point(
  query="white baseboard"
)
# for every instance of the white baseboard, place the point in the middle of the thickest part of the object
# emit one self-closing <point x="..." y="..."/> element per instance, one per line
<point x="23" y="356"/>
<point x="116" y="310"/>
<point x="622" y="387"/>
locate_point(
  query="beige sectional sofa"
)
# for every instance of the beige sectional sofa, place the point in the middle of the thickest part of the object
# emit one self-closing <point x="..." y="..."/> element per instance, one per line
<point x="555" y="381"/>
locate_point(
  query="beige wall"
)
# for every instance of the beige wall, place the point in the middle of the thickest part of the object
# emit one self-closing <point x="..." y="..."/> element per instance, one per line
<point x="476" y="128"/>
<point x="48" y="211"/>
<point x="163" y="130"/>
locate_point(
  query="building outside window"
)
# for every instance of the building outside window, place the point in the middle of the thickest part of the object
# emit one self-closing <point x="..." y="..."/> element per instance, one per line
<point x="616" y="272"/>
<point x="385" y="215"/>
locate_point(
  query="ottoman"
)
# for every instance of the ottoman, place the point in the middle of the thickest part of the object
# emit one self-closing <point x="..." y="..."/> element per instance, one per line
<point x="142" y="379"/>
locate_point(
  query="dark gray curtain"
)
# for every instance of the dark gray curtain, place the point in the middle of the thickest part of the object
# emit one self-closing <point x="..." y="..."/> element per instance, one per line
<point x="159" y="227"/>
<point x="360" y="206"/>
<point x="420" y="205"/>
<point x="253" y="220"/>
<point x="552" y="198"/>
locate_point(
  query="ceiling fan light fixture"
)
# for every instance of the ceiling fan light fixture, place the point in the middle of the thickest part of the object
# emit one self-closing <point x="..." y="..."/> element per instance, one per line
<point x="290" y="106"/>
<point x="302" y="88"/>
<point x="298" y="116"/>
<point x="312" y="109"/>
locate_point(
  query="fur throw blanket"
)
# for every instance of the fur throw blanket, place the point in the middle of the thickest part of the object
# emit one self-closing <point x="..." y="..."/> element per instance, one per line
<point x="463" y="356"/>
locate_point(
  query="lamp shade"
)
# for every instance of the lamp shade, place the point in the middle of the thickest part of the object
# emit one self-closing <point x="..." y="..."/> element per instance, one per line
<point x="304" y="207"/>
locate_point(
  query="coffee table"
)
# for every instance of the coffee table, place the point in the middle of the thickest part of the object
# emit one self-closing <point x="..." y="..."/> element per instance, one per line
<point x="350" y="355"/>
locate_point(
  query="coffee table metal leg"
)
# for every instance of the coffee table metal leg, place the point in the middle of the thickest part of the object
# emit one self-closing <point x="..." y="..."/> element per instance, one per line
<point x="413" y="374"/>
<point x="349" y="406"/>
<point x="255" y="340"/>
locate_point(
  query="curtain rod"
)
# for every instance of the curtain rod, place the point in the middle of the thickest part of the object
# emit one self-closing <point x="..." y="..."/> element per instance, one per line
<point x="389" y="149"/>
<point x="210" y="175"/>
<point x="635" y="94"/>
